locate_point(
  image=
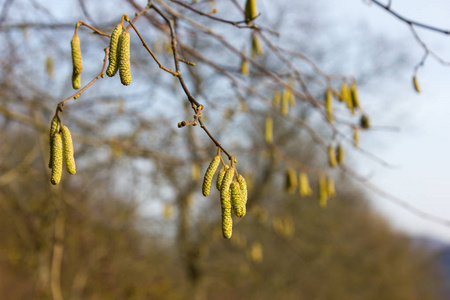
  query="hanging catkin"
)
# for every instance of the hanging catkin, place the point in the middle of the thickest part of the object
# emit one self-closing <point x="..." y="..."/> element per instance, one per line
<point x="207" y="180"/>
<point x="57" y="159"/>
<point x="236" y="199"/>
<point x="54" y="128"/>
<point x="340" y="155"/>
<point x="225" y="201"/>
<point x="323" y="191"/>
<point x="250" y="11"/>
<point x="68" y="150"/>
<point x="332" y="157"/>
<point x="269" y="130"/>
<point x="329" y="104"/>
<point x="124" y="58"/>
<point x="77" y="62"/>
<point x="113" y="64"/>
<point x="305" y="188"/>
<point x="220" y="177"/>
<point x="416" y="84"/>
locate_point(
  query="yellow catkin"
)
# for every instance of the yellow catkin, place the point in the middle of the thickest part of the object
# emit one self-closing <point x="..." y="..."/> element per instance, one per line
<point x="331" y="191"/>
<point x="291" y="180"/>
<point x="76" y="81"/>
<point x="323" y="191"/>
<point x="236" y="199"/>
<point x="207" y="180"/>
<point x="220" y="177"/>
<point x="416" y="84"/>
<point x="344" y="93"/>
<point x="225" y="201"/>
<point x="276" y="98"/>
<point x="124" y="58"/>
<point x="57" y="159"/>
<point x="68" y="150"/>
<point x="244" y="67"/>
<point x="332" y="157"/>
<point x="257" y="49"/>
<point x="355" y="137"/>
<point x="354" y="95"/>
<point x="244" y="193"/>
<point x="54" y="128"/>
<point x="329" y="103"/>
<point x="113" y="65"/>
<point x="364" y="122"/>
<point x="305" y="188"/>
<point x="250" y="11"/>
<point x="269" y="130"/>
<point x="340" y="155"/>
<point x="77" y="61"/>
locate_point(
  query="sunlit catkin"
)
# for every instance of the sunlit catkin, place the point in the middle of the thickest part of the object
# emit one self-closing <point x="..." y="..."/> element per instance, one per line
<point x="54" y="128"/>
<point x="244" y="67"/>
<point x="250" y="11"/>
<point x="244" y="193"/>
<point x="323" y="191"/>
<point x="332" y="157"/>
<point x="416" y="84"/>
<point x="207" y="180"/>
<point x="76" y="81"/>
<point x="68" y="150"/>
<point x="124" y="58"/>
<point x="269" y="130"/>
<point x="77" y="61"/>
<point x="291" y="180"/>
<point x="57" y="159"/>
<point x="329" y="103"/>
<point x="354" y="95"/>
<point x="236" y="199"/>
<point x="364" y="122"/>
<point x="113" y="64"/>
<point x="345" y="93"/>
<point x="225" y="201"/>
<point x="220" y="177"/>
<point x="340" y="155"/>
<point x="305" y="188"/>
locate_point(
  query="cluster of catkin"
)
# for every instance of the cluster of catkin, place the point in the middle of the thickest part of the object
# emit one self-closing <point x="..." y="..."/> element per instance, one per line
<point x="60" y="146"/>
<point x="233" y="192"/>
<point x="119" y="54"/>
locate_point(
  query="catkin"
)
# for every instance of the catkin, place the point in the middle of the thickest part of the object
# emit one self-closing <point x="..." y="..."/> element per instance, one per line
<point x="305" y="188"/>
<point x="68" y="150"/>
<point x="291" y="180"/>
<point x="57" y="157"/>
<point x="76" y="81"/>
<point x="236" y="199"/>
<point x="364" y="122"/>
<point x="354" y="95"/>
<point x="250" y="11"/>
<point x="54" y="128"/>
<point x="225" y="200"/>
<point x="329" y="103"/>
<point x="244" y="67"/>
<point x="257" y="49"/>
<point x="269" y="130"/>
<point x="416" y="84"/>
<point x="113" y="65"/>
<point x="344" y="93"/>
<point x="244" y="193"/>
<point x="124" y="58"/>
<point x="340" y="155"/>
<point x="77" y="61"/>
<point x="323" y="191"/>
<point x="207" y="180"/>
<point x="220" y="177"/>
<point x="332" y="157"/>
<point x="331" y="191"/>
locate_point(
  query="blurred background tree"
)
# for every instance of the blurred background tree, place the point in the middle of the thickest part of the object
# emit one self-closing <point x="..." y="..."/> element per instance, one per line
<point x="132" y="223"/>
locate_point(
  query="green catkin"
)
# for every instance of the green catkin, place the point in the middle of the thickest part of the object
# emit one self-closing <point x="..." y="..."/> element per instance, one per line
<point x="416" y="84"/>
<point x="207" y="180"/>
<point x="54" y="128"/>
<point x="57" y="159"/>
<point x="244" y="67"/>
<point x="329" y="104"/>
<point x="257" y="49"/>
<point x="344" y="93"/>
<point x="305" y="188"/>
<point x="68" y="150"/>
<point x="244" y="193"/>
<point x="225" y="201"/>
<point x="77" y="61"/>
<point x="332" y="157"/>
<point x="113" y="64"/>
<point x="76" y="81"/>
<point x="250" y="11"/>
<point x="269" y="130"/>
<point x="220" y="177"/>
<point x="340" y="155"/>
<point x="364" y="122"/>
<point x="323" y="191"/>
<point x="354" y="95"/>
<point x="124" y="58"/>
<point x="291" y="180"/>
<point x="236" y="199"/>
